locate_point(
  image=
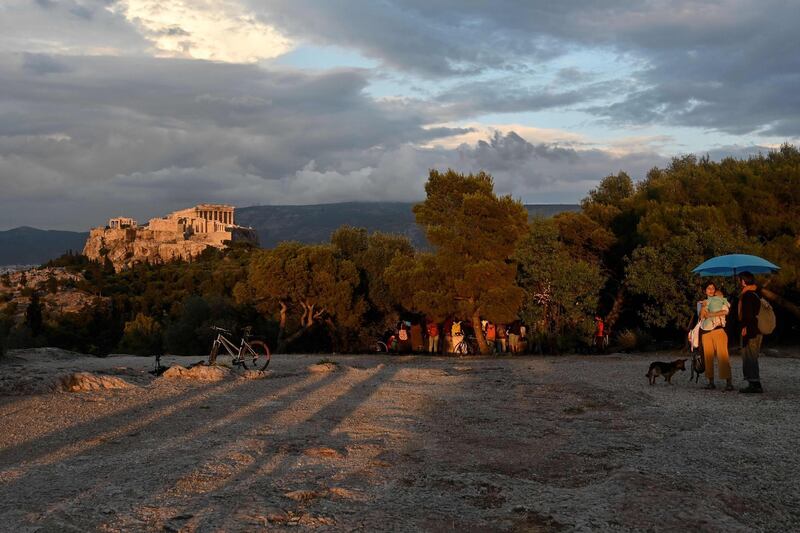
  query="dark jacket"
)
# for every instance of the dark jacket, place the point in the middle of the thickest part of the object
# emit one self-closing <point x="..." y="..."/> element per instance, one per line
<point x="749" y="307"/>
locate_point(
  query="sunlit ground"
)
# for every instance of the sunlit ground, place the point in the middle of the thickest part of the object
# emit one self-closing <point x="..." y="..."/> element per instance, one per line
<point x="405" y="443"/>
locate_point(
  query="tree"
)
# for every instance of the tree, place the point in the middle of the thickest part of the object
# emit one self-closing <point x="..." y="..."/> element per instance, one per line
<point x="33" y="315"/>
<point x="142" y="336"/>
<point x="474" y="232"/>
<point x="372" y="255"/>
<point x="561" y="286"/>
<point x="304" y="285"/>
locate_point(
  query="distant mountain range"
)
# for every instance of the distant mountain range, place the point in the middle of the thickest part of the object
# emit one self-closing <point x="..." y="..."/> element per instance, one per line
<point x="31" y="246"/>
<point x="274" y="223"/>
<point x="315" y="223"/>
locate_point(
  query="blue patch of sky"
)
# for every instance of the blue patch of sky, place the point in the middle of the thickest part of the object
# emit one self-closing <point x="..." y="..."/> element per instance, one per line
<point x="566" y="72"/>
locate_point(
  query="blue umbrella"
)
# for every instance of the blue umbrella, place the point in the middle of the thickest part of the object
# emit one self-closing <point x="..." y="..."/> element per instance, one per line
<point x="731" y="265"/>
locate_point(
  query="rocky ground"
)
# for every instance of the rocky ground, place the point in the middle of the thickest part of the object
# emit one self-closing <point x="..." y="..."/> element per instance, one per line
<point x="377" y="443"/>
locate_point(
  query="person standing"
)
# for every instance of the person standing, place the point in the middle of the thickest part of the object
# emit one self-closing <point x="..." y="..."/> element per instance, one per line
<point x="513" y="336"/>
<point x="715" y="341"/>
<point x="433" y="336"/>
<point x="491" y="335"/>
<point x="599" y="334"/>
<point x="749" y="306"/>
<point x="501" y="332"/>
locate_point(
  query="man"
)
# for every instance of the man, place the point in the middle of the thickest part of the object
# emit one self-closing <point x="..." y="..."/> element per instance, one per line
<point x="749" y="306"/>
<point x="599" y="334"/>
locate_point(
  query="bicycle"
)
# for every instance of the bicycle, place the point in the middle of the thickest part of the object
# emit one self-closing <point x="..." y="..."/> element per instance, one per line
<point x="254" y="350"/>
<point x="468" y="345"/>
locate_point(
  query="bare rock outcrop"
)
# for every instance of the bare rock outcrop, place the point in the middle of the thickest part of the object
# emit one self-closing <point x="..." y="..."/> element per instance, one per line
<point x="181" y="235"/>
<point x="86" y="382"/>
<point x="198" y="372"/>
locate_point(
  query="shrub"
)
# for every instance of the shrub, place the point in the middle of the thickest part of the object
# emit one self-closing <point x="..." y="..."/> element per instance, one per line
<point x="626" y="340"/>
<point x="142" y="336"/>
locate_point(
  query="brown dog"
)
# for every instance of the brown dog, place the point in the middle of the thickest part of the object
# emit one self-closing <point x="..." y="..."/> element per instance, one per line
<point x="664" y="369"/>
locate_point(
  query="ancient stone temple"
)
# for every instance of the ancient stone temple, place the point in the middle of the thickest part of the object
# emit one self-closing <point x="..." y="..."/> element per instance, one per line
<point x="180" y="235"/>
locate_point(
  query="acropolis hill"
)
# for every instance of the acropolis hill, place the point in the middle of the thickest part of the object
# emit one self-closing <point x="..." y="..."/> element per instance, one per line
<point x="180" y="235"/>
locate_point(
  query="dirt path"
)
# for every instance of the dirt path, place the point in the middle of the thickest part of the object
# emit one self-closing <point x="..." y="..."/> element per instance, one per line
<point x="402" y="443"/>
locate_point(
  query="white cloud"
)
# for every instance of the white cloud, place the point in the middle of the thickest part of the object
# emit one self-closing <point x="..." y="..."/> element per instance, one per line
<point x="480" y="132"/>
<point x="217" y="30"/>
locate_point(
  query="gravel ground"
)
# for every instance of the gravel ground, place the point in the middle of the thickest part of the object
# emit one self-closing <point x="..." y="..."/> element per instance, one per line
<point x="398" y="443"/>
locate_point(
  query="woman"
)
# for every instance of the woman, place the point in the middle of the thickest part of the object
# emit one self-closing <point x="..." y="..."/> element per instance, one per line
<point x="714" y="339"/>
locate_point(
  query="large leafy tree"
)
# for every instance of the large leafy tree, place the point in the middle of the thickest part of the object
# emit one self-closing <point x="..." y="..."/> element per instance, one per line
<point x="372" y="254"/>
<point x="561" y="286"/>
<point x="473" y="231"/>
<point x="305" y="285"/>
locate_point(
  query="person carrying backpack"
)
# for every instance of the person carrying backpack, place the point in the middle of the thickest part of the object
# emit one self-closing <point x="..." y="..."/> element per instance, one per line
<point x="750" y="307"/>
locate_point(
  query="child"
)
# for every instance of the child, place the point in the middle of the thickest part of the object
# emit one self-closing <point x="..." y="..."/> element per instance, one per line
<point x="715" y="304"/>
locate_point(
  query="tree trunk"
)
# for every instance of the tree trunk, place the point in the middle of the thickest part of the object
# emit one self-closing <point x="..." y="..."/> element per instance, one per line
<point x="476" y="325"/>
<point x="296" y="335"/>
<point x="281" y="342"/>
<point x="616" y="309"/>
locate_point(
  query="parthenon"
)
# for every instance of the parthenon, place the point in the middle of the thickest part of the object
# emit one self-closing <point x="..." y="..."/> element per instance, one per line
<point x="179" y="235"/>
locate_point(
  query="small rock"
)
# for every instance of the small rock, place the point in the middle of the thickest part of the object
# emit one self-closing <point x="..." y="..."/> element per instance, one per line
<point x="85" y="381"/>
<point x="305" y="495"/>
<point x="323" y="451"/>
<point x="323" y="367"/>
<point x="199" y="372"/>
<point x="255" y="374"/>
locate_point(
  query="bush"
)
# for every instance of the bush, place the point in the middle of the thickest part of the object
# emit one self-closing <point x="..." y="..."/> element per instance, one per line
<point x="636" y="340"/>
<point x="142" y="336"/>
<point x="626" y="341"/>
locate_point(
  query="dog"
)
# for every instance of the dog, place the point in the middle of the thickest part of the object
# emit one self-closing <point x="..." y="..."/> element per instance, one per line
<point x="698" y="366"/>
<point x="658" y="368"/>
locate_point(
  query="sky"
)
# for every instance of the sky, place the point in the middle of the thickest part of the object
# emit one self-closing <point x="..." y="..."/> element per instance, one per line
<point x="141" y="107"/>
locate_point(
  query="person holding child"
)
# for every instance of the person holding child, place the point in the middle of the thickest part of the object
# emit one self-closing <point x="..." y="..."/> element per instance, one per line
<point x="714" y="340"/>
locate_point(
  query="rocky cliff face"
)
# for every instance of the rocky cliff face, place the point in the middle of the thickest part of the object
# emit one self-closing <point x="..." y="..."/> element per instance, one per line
<point x="128" y="246"/>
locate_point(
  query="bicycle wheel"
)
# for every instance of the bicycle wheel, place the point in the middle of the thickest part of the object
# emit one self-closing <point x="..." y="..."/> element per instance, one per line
<point x="212" y="357"/>
<point x="381" y="347"/>
<point x="260" y="355"/>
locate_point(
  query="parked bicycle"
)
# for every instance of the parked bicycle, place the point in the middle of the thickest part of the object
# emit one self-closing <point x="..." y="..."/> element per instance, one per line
<point x="255" y="352"/>
<point x="381" y="346"/>
<point x="469" y="346"/>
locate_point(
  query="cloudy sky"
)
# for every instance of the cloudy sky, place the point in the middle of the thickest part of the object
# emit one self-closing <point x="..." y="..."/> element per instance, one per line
<point x="139" y="107"/>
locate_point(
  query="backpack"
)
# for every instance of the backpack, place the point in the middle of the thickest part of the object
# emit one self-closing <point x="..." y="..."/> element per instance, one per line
<point x="403" y="334"/>
<point x="766" y="318"/>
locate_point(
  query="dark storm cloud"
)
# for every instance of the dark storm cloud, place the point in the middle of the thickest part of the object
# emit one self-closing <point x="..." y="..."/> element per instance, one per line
<point x="115" y="131"/>
<point x="729" y="65"/>
<point x="508" y="96"/>
<point x="163" y="132"/>
<point x="42" y="64"/>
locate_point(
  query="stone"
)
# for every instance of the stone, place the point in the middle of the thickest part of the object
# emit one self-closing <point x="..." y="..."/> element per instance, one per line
<point x="255" y="374"/>
<point x="323" y="451"/>
<point x="85" y="382"/>
<point x="199" y="373"/>
<point x="323" y="367"/>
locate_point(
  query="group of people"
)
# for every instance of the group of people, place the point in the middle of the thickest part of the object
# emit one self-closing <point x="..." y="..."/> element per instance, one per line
<point x="430" y="336"/>
<point x="710" y="335"/>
